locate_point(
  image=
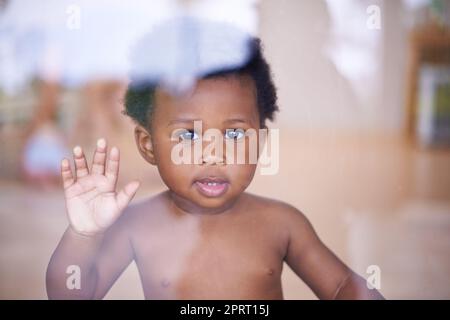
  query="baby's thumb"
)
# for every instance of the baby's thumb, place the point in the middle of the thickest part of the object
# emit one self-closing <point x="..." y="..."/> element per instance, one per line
<point x="126" y="194"/>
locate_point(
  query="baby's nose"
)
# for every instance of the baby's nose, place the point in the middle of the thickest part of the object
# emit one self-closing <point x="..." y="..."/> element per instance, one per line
<point x="212" y="160"/>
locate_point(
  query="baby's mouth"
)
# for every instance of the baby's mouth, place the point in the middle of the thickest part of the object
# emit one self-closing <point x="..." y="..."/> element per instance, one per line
<point x="212" y="187"/>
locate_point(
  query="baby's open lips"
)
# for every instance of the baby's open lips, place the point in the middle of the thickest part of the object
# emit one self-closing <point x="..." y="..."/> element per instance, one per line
<point x="212" y="186"/>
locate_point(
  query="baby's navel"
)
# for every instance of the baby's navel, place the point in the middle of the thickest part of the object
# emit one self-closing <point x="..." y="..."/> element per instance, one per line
<point x="270" y="271"/>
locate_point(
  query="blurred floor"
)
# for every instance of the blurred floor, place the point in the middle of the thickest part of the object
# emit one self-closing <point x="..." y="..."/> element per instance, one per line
<point x="373" y="199"/>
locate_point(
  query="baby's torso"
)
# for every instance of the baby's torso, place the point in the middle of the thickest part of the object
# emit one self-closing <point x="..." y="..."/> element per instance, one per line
<point x="230" y="257"/>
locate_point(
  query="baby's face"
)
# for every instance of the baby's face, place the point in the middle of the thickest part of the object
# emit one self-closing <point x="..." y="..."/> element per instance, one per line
<point x="208" y="182"/>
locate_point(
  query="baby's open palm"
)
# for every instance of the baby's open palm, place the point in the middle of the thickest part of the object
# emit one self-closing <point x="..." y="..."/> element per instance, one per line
<point x="92" y="202"/>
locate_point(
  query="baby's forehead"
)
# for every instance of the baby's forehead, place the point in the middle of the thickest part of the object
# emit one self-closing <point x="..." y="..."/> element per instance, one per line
<point x="229" y="92"/>
<point x="217" y="99"/>
<point x="229" y="82"/>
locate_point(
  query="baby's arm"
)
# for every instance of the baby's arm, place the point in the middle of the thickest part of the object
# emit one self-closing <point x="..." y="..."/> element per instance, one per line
<point x="96" y="242"/>
<point x="319" y="268"/>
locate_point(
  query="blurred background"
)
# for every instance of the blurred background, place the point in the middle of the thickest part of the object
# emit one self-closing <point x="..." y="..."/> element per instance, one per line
<point x="364" y="94"/>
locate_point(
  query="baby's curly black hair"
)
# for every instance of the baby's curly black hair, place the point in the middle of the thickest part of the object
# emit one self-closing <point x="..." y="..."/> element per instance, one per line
<point x="139" y="97"/>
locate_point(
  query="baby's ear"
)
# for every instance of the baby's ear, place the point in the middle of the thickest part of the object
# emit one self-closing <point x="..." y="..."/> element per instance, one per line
<point x="144" y="144"/>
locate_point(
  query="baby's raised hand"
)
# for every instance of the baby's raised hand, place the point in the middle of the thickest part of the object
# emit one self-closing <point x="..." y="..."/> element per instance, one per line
<point x="91" y="199"/>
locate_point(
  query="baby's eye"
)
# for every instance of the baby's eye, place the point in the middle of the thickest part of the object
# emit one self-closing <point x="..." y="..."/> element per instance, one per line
<point x="235" y="134"/>
<point x="187" y="135"/>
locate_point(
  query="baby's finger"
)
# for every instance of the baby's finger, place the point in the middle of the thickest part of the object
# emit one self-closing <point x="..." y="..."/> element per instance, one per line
<point x="66" y="174"/>
<point x="98" y="165"/>
<point x="112" y="169"/>
<point x="81" y="167"/>
<point x="126" y="194"/>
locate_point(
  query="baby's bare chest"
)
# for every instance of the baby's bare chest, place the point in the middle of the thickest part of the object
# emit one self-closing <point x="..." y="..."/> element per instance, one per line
<point x="217" y="260"/>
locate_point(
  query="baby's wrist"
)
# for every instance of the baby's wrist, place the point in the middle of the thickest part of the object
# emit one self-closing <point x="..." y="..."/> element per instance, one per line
<point x="86" y="235"/>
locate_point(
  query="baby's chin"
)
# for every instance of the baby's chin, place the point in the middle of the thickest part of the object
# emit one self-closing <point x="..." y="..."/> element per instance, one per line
<point x="211" y="204"/>
<point x="195" y="202"/>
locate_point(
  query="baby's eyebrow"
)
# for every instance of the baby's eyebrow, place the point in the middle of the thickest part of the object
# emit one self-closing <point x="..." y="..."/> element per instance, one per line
<point x="182" y="120"/>
<point x="240" y="120"/>
<point x="190" y="121"/>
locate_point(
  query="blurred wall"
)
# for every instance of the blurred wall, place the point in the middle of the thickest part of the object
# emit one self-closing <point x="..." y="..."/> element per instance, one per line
<point x="300" y="39"/>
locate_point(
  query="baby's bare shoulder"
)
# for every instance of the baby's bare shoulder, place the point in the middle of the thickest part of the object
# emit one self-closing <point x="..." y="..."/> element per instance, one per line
<point x="276" y="209"/>
<point x="281" y="219"/>
<point x="147" y="211"/>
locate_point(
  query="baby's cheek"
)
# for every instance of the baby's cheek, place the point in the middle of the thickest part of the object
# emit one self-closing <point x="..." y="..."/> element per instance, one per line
<point x="179" y="174"/>
<point x="241" y="175"/>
